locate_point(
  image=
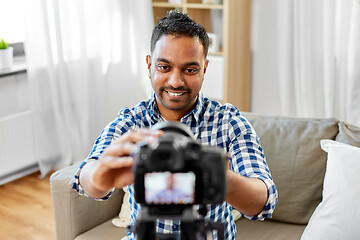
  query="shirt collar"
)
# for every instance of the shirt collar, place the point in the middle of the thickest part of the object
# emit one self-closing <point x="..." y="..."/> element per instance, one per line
<point x="197" y="111"/>
<point x="154" y="112"/>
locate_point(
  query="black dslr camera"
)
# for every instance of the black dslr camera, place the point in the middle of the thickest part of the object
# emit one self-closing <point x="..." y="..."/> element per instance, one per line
<point x="172" y="174"/>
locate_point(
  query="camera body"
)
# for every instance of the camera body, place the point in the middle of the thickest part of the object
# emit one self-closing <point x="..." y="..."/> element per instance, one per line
<point x="177" y="170"/>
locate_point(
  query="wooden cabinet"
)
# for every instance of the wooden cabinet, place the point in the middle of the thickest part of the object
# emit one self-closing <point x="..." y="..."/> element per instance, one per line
<point x="230" y="21"/>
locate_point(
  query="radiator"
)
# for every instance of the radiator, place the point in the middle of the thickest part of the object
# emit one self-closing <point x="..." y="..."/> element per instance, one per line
<point x="17" y="150"/>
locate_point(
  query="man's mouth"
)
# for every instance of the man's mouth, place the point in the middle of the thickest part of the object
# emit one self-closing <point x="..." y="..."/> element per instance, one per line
<point x="175" y="94"/>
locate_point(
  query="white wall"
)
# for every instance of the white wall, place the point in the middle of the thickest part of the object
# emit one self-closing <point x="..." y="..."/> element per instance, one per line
<point x="213" y="86"/>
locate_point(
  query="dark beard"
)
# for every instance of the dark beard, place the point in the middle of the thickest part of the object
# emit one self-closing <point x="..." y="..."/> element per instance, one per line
<point x="179" y="89"/>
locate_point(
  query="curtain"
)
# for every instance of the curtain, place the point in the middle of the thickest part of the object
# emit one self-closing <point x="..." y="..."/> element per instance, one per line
<point x="86" y="60"/>
<point x="306" y="58"/>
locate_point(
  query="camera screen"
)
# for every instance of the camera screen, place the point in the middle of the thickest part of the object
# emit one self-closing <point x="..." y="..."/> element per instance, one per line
<point x="169" y="188"/>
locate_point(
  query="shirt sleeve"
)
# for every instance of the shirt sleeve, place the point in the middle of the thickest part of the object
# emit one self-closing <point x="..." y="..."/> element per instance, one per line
<point x="77" y="186"/>
<point x="112" y="131"/>
<point x="247" y="159"/>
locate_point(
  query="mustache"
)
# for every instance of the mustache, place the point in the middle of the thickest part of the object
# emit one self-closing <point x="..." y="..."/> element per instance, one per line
<point x="171" y="88"/>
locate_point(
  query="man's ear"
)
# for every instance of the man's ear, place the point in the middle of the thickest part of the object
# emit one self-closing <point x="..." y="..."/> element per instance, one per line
<point x="148" y="61"/>
<point x="206" y="65"/>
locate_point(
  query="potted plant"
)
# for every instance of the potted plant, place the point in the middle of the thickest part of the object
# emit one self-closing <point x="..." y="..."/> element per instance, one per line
<point x="6" y="55"/>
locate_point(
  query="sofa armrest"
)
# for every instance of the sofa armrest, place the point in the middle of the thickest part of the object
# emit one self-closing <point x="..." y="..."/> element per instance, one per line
<point x="75" y="214"/>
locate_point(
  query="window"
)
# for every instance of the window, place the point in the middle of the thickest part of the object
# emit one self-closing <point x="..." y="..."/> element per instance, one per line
<point x="12" y="24"/>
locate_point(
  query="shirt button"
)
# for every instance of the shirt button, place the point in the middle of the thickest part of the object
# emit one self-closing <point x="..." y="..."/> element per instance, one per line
<point x="175" y="227"/>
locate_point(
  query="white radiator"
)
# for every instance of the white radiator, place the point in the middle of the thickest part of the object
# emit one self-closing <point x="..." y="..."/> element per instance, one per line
<point x="17" y="151"/>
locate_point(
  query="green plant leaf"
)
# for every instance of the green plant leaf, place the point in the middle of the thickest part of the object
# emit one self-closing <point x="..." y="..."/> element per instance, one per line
<point x="3" y="44"/>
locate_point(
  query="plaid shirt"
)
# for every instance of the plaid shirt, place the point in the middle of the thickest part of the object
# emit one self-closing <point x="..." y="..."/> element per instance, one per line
<point x="213" y="124"/>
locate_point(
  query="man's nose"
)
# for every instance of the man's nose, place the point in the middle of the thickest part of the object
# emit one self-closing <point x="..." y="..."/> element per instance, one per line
<point x="175" y="79"/>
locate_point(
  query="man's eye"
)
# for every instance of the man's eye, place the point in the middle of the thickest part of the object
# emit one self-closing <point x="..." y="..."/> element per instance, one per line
<point x="191" y="70"/>
<point x="162" y="67"/>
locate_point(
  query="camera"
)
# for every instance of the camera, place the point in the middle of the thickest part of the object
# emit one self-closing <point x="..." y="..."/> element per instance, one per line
<point x="176" y="161"/>
<point x="173" y="173"/>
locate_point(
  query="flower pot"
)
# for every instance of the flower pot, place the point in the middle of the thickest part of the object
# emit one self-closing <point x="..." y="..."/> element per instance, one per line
<point x="6" y="58"/>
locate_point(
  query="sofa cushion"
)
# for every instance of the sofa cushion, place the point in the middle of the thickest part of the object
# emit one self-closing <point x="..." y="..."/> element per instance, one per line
<point x="73" y="213"/>
<point x="104" y="231"/>
<point x="264" y="230"/>
<point x="337" y="216"/>
<point x="296" y="161"/>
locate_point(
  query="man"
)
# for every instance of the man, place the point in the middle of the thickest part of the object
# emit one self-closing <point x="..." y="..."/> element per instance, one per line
<point x="177" y="66"/>
<point x="170" y="194"/>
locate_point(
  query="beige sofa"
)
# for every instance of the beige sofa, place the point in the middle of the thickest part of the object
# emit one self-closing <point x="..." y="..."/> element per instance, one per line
<point x="296" y="161"/>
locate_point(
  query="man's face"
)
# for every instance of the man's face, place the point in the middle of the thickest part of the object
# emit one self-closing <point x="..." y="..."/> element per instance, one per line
<point x="170" y="182"/>
<point x="177" y="69"/>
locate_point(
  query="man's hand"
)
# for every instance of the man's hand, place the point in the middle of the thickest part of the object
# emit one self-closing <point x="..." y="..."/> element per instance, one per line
<point x="113" y="169"/>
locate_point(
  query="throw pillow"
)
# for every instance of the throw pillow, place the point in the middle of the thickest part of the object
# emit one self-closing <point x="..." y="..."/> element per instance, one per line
<point x="124" y="216"/>
<point x="236" y="214"/>
<point x="338" y="214"/>
<point x="296" y="161"/>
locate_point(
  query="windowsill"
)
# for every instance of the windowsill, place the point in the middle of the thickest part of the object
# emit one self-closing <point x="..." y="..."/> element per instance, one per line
<point x="19" y="66"/>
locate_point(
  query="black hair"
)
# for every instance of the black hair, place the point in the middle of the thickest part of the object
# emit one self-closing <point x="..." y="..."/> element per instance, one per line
<point x="177" y="23"/>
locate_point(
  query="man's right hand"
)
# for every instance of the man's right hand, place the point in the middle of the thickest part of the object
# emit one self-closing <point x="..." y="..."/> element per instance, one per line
<point x="114" y="167"/>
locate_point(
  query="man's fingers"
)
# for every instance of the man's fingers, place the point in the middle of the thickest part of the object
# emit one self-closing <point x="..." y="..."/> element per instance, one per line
<point x="117" y="162"/>
<point x="119" y="149"/>
<point x="139" y="135"/>
<point x="126" y="143"/>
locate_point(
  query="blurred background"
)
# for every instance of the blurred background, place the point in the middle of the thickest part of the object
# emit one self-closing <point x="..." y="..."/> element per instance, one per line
<point x="77" y="63"/>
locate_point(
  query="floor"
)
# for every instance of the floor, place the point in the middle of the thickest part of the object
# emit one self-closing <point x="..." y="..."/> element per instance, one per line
<point x="26" y="209"/>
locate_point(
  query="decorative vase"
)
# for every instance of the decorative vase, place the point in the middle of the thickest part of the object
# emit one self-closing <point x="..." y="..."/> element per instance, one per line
<point x="6" y="58"/>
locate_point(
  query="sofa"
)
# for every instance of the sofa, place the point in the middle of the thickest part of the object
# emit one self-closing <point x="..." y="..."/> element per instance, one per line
<point x="296" y="160"/>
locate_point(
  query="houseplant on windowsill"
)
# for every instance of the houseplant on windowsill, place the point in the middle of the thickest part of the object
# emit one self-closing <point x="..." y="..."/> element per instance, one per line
<point x="6" y="55"/>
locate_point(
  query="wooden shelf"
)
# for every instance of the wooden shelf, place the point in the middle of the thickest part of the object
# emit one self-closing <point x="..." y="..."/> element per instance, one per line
<point x="204" y="6"/>
<point x="188" y="5"/>
<point x="167" y="5"/>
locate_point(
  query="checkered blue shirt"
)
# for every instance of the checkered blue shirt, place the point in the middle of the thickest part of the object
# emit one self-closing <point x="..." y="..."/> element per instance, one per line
<point x="213" y="124"/>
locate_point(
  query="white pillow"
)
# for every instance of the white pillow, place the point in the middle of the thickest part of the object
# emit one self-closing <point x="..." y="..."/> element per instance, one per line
<point x="124" y="216"/>
<point x="338" y="214"/>
<point x="236" y="214"/>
